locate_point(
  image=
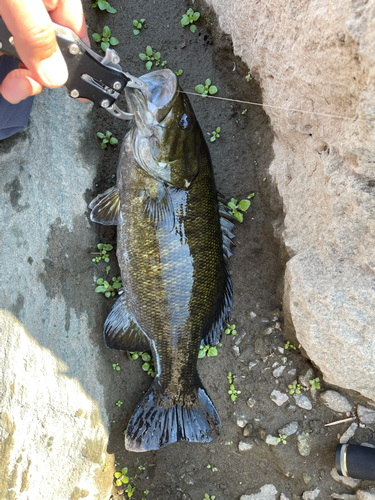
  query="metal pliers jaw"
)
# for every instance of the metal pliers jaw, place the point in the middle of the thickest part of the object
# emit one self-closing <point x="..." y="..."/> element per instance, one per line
<point x="99" y="79"/>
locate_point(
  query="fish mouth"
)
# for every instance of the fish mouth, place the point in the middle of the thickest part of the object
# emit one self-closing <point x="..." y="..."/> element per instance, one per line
<point x="158" y="93"/>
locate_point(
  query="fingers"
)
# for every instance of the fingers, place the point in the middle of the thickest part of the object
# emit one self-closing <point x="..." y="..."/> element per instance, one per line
<point x="34" y="37"/>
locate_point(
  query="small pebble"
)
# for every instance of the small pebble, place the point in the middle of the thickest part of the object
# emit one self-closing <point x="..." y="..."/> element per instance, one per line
<point x="265" y="320"/>
<point x="306" y="478"/>
<point x="344" y="496"/>
<point x="349" y="433"/>
<point x="346" y="481"/>
<point x="311" y="495"/>
<point x="250" y="402"/>
<point x="252" y="364"/>
<point x="267" y="492"/>
<point x="305" y="379"/>
<point x="275" y="318"/>
<point x="241" y="422"/>
<point x="278" y="371"/>
<point x="303" y="401"/>
<point x="248" y="429"/>
<point x="365" y="415"/>
<point x="304" y="444"/>
<point x="368" y="445"/>
<point x="278" y="397"/>
<point x="366" y="495"/>
<point x="336" y="401"/>
<point x="289" y="429"/>
<point x="292" y="372"/>
<point x="284" y="359"/>
<point x="271" y="440"/>
<point x="268" y="331"/>
<point x="281" y="351"/>
<point x="252" y="315"/>
<point x="236" y="350"/>
<point x="244" y="446"/>
<point x="284" y="497"/>
<point x="278" y="325"/>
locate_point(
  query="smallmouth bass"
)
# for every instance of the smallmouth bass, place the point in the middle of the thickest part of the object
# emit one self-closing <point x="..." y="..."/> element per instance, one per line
<point x="173" y="243"/>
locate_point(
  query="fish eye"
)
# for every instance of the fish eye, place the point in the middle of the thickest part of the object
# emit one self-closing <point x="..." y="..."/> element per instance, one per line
<point x="185" y="122"/>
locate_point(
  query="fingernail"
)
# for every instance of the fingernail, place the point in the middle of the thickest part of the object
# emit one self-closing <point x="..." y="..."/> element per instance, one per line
<point x="53" y="70"/>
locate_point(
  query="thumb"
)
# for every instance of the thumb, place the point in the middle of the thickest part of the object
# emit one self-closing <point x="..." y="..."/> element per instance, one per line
<point x="35" y="40"/>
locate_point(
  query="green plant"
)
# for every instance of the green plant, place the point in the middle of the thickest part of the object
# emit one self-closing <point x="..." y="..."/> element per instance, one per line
<point x="179" y="72"/>
<point x="103" y="5"/>
<point x="141" y="467"/>
<point x="138" y="25"/>
<point x="121" y="477"/>
<point x="294" y="388"/>
<point x="248" y="76"/>
<point x="231" y="330"/>
<point x="107" y="269"/>
<point x="189" y="18"/>
<point x="106" y="288"/>
<point x="103" y="254"/>
<point x="129" y="490"/>
<point x="205" y="89"/>
<point x="242" y="206"/>
<point x="208" y="497"/>
<point x="148" y="365"/>
<point x="232" y="391"/>
<point x="206" y="350"/>
<point x="243" y="112"/>
<point x="151" y="58"/>
<point x="288" y="344"/>
<point x="106" y="39"/>
<point x="215" y="134"/>
<point x="281" y="438"/>
<point x="116" y="367"/>
<point x="119" y="403"/>
<point x="214" y="469"/>
<point x="146" y="492"/>
<point x="315" y="383"/>
<point x="107" y="138"/>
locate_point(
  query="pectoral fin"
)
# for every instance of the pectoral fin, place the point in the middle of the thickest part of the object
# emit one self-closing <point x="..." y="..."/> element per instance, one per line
<point x="158" y="205"/>
<point x="106" y="208"/>
<point x="121" y="330"/>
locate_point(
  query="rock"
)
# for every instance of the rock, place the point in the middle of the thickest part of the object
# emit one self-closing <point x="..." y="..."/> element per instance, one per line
<point x="310" y="495"/>
<point x="305" y="379"/>
<point x="344" y="496"/>
<point x="248" y="429"/>
<point x="278" y="371"/>
<point x="252" y="364"/>
<point x="327" y="209"/>
<point x="349" y="433"/>
<point x="268" y="331"/>
<point x="281" y="351"/>
<point x="289" y="429"/>
<point x="303" y="401"/>
<point x="346" y="481"/>
<point x="304" y="444"/>
<point x="306" y="478"/>
<point x="365" y="495"/>
<point x="236" y="350"/>
<point x="250" y="402"/>
<point x="53" y="413"/>
<point x="241" y="422"/>
<point x="245" y="446"/>
<point x="292" y="372"/>
<point x="368" y="445"/>
<point x="335" y="401"/>
<point x="284" y="497"/>
<point x="267" y="492"/>
<point x="272" y="440"/>
<point x="365" y="415"/>
<point x="252" y="315"/>
<point x="278" y="397"/>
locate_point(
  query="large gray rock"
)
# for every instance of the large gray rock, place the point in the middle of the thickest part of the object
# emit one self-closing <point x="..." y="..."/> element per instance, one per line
<point x="53" y="425"/>
<point x="319" y="57"/>
<point x="267" y="492"/>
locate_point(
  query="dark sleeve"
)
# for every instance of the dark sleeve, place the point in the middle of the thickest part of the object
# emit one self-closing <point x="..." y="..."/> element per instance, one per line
<point x="13" y="117"/>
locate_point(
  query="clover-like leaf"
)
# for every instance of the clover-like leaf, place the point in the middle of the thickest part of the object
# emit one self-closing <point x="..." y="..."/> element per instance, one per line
<point x="238" y="216"/>
<point x="199" y="89"/>
<point x="113" y="41"/>
<point x="196" y="16"/>
<point x="244" y="205"/>
<point x="96" y="37"/>
<point x="149" y="65"/>
<point x="104" y="46"/>
<point x="102" y="4"/>
<point x="207" y="82"/>
<point x="113" y="140"/>
<point x="149" y="50"/>
<point x="212" y="89"/>
<point x="106" y="32"/>
<point x="111" y="10"/>
<point x="193" y="28"/>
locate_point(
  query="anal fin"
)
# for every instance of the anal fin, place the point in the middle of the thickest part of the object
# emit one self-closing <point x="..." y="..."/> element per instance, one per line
<point x="121" y="330"/>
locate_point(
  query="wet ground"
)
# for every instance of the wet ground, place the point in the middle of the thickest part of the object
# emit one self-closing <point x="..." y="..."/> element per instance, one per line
<point x="241" y="157"/>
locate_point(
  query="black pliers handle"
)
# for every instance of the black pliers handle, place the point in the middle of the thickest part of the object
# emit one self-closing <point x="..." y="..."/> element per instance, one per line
<point x="99" y="79"/>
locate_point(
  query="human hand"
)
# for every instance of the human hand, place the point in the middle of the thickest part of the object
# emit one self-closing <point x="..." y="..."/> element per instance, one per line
<point x="29" y="21"/>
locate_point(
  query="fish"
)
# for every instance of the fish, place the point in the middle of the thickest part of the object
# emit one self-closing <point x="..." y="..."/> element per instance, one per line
<point x="174" y="237"/>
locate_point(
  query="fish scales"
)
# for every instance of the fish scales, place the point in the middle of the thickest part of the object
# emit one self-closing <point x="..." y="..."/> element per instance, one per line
<point x="177" y="290"/>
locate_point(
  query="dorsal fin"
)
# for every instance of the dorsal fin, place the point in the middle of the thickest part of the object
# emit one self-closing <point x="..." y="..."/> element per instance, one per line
<point x="106" y="208"/>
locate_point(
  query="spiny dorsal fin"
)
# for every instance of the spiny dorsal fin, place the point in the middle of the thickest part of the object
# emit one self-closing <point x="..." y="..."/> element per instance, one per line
<point x="121" y="330"/>
<point x="106" y="208"/>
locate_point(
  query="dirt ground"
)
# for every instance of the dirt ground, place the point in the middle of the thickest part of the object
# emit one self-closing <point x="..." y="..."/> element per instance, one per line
<point x="240" y="157"/>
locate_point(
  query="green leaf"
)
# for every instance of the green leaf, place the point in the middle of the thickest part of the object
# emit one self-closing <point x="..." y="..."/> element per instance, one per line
<point x="207" y="82"/>
<point x="196" y="16"/>
<point x="106" y="32"/>
<point x="116" y="285"/>
<point x="157" y="55"/>
<point x="102" y="4"/>
<point x="136" y="32"/>
<point x="149" y="50"/>
<point x="190" y="12"/>
<point x="135" y="355"/>
<point x="95" y="4"/>
<point x="135" y="23"/>
<point x="238" y="216"/>
<point x="244" y="205"/>
<point x="100" y="281"/>
<point x="212" y="351"/>
<point x="212" y="89"/>
<point x="103" y="145"/>
<point x="199" y="89"/>
<point x="142" y="20"/>
<point x="213" y="139"/>
<point x="96" y="37"/>
<point x="232" y="205"/>
<point x="113" y="140"/>
<point x="233" y="397"/>
<point x="142" y="57"/>
<point x="149" y="65"/>
<point x="218" y="129"/>
<point x="193" y="28"/>
<point x="101" y="136"/>
<point x="111" y="10"/>
<point x="146" y="356"/>
<point x="113" y="41"/>
<point x="104" y="46"/>
<point x="107" y="294"/>
<point x="117" y="474"/>
<point x="100" y="289"/>
<point x="145" y="367"/>
<point x="185" y="20"/>
<point x="201" y="353"/>
<point x="108" y="134"/>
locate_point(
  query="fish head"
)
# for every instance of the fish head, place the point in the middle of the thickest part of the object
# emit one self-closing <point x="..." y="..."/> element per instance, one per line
<point x="168" y="139"/>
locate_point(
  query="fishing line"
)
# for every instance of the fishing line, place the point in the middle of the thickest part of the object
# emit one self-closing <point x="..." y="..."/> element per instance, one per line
<point x="328" y="115"/>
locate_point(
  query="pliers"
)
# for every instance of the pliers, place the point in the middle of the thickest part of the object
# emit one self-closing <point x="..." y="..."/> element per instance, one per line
<point x="99" y="79"/>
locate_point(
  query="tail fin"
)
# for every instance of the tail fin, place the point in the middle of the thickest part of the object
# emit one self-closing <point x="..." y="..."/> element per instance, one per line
<point x="157" y="421"/>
